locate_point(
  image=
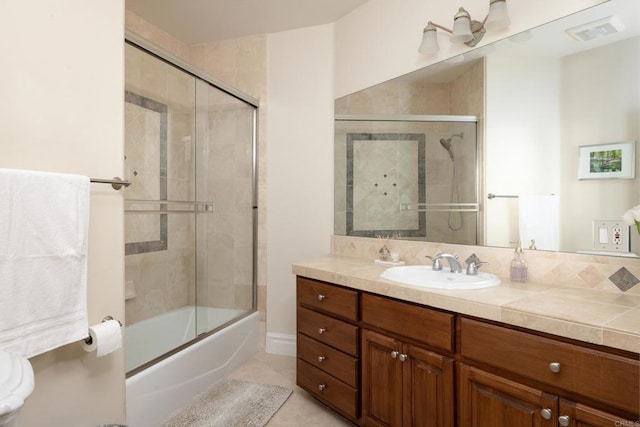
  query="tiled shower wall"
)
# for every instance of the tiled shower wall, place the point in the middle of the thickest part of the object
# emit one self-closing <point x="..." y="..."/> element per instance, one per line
<point x="162" y="279"/>
<point x="463" y="95"/>
<point x="225" y="178"/>
<point x="242" y="64"/>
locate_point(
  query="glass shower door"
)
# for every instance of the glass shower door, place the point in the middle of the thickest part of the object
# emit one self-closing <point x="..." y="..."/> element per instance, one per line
<point x="160" y="239"/>
<point x="189" y="211"/>
<point x="225" y="140"/>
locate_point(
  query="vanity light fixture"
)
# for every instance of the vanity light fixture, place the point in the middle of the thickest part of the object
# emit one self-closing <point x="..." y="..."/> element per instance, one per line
<point x="466" y="30"/>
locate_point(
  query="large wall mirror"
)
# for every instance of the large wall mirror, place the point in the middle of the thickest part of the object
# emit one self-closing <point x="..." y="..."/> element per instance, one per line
<point x="508" y="129"/>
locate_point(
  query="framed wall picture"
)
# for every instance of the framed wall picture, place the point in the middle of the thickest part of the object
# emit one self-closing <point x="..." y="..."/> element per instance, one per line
<point x="614" y="160"/>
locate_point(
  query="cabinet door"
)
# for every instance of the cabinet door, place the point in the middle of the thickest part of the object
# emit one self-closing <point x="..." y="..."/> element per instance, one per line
<point x="428" y="393"/>
<point x="381" y="380"/>
<point x="488" y="400"/>
<point x="578" y="415"/>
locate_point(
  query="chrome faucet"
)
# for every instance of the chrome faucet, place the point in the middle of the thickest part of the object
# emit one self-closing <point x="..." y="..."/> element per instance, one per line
<point x="453" y="261"/>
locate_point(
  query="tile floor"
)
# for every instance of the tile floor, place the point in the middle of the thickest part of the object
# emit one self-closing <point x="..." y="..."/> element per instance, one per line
<point x="300" y="409"/>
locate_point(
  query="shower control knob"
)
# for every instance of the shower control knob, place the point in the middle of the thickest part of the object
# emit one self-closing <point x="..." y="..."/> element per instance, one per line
<point x="321" y="359"/>
<point x="321" y="387"/>
<point x="321" y="330"/>
<point x="321" y="297"/>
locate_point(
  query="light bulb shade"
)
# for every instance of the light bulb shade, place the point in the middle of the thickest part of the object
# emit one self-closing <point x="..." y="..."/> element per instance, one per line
<point x="429" y="43"/>
<point x="461" y="27"/>
<point x="498" y="19"/>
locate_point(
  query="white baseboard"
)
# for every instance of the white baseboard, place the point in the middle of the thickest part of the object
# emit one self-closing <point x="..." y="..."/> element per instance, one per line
<point x="282" y="344"/>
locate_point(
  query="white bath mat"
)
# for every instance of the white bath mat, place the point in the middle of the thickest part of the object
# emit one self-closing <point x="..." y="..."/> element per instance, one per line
<point x="232" y="403"/>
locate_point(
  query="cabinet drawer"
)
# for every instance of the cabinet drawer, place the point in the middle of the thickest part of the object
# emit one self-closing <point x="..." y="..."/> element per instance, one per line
<point x="328" y="389"/>
<point x="334" y="332"/>
<point x="328" y="298"/>
<point x="330" y="360"/>
<point x="420" y="323"/>
<point x="595" y="374"/>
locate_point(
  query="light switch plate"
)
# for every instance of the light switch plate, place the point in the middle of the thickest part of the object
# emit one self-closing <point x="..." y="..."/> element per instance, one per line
<point x="611" y="236"/>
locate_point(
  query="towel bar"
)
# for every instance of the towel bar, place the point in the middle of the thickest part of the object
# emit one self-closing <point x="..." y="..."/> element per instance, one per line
<point x="117" y="183"/>
<point x="493" y="196"/>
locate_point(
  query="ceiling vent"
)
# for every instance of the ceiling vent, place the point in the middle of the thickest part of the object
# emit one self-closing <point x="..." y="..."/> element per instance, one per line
<point x="596" y="29"/>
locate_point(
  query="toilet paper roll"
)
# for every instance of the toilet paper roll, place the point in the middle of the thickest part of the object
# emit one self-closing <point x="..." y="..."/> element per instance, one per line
<point x="105" y="338"/>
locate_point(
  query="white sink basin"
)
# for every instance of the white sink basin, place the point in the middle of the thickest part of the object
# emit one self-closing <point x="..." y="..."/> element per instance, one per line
<point x="425" y="276"/>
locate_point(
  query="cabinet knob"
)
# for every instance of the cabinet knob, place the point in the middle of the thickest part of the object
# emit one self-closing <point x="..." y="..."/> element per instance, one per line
<point x="394" y="354"/>
<point x="321" y="387"/>
<point x="321" y="297"/>
<point x="321" y="359"/>
<point x="321" y="331"/>
<point x="554" y="366"/>
<point x="403" y="357"/>
<point x="546" y="413"/>
<point x="564" y="420"/>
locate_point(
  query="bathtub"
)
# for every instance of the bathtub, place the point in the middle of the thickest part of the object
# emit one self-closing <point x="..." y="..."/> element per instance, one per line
<point x="156" y="392"/>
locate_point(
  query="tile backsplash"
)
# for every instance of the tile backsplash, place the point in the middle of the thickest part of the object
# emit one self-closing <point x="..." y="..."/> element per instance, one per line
<point x="616" y="274"/>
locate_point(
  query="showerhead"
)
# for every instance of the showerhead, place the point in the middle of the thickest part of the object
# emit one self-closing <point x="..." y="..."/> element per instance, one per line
<point x="446" y="144"/>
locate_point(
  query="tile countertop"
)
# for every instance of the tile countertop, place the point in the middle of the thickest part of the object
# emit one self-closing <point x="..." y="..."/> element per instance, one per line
<point x="595" y="316"/>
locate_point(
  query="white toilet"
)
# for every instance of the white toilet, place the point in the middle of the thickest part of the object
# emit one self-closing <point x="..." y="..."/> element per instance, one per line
<point x="16" y="384"/>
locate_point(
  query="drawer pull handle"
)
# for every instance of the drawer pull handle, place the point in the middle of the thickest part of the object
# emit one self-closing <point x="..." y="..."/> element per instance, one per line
<point x="546" y="413"/>
<point x="564" y="420"/>
<point x="321" y="359"/>
<point x="321" y="297"/>
<point x="555" y="367"/>
<point x="321" y="387"/>
<point x="394" y="354"/>
<point x="403" y="357"/>
<point x="321" y="330"/>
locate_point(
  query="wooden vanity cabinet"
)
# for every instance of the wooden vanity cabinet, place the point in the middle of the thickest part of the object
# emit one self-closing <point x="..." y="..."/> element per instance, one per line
<point x="560" y="378"/>
<point x="405" y="383"/>
<point x="383" y="362"/>
<point x="328" y="343"/>
<point x="485" y="399"/>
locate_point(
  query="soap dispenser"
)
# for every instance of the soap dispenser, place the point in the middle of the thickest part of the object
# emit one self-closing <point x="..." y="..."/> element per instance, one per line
<point x="519" y="270"/>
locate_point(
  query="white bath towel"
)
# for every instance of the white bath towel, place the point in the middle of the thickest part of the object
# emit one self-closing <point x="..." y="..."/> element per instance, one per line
<point x="44" y="220"/>
<point x="539" y="220"/>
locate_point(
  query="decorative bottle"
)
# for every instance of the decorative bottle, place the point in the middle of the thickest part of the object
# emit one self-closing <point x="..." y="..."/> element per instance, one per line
<point x="519" y="271"/>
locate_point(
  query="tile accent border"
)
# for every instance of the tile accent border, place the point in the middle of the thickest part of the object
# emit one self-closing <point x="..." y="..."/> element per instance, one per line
<point x="162" y="243"/>
<point x="420" y="138"/>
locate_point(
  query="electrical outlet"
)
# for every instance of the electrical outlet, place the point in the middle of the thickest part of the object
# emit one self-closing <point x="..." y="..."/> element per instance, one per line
<point x="610" y="236"/>
<point x="617" y="235"/>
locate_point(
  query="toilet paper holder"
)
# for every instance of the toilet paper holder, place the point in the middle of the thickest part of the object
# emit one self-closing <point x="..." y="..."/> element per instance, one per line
<point x="89" y="339"/>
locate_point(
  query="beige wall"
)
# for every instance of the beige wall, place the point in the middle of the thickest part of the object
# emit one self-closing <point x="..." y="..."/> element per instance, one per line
<point x="300" y="166"/>
<point x="587" y="122"/>
<point x="379" y="41"/>
<point x="62" y="111"/>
